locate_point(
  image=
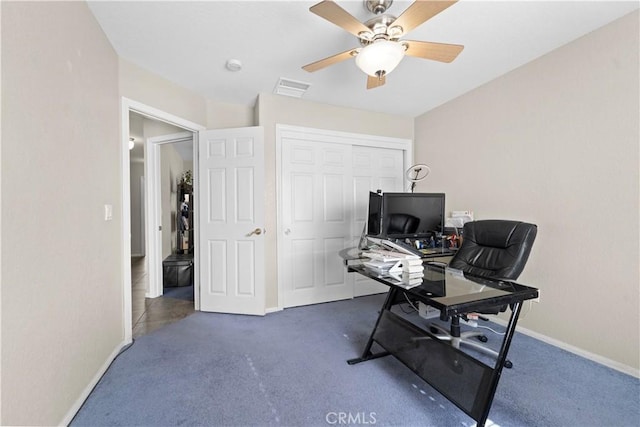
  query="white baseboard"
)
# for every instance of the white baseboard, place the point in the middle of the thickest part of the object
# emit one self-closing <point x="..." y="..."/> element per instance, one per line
<point x="572" y="349"/>
<point x="89" y="388"/>
<point x="272" y="310"/>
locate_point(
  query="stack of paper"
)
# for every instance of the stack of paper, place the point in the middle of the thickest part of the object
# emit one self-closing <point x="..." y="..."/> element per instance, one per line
<point x="380" y="266"/>
<point x="384" y="261"/>
<point x="398" y="279"/>
<point x="412" y="280"/>
<point x="385" y="255"/>
<point x="412" y="271"/>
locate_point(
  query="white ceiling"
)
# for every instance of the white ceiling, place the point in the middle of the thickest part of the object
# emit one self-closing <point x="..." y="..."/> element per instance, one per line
<point x="189" y="43"/>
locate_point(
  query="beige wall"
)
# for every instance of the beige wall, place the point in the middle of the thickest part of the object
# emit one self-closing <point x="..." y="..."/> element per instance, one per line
<point x="221" y="115"/>
<point x="150" y="89"/>
<point x="61" y="263"/>
<point x="136" y="173"/>
<point x="272" y="109"/>
<point x="276" y="109"/>
<point x="555" y="142"/>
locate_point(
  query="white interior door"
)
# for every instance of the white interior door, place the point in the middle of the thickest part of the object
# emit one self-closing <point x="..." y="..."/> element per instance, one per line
<point x="231" y="209"/>
<point x="373" y="169"/>
<point x="316" y="221"/>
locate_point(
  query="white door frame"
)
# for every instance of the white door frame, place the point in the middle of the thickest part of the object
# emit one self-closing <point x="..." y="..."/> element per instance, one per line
<point x="143" y="215"/>
<point x="324" y="135"/>
<point x="153" y="200"/>
<point x="126" y="106"/>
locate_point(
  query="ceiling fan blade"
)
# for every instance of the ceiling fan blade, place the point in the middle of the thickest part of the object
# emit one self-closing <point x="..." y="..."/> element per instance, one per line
<point x="373" y="81"/>
<point x="442" y="52"/>
<point x="318" y="65"/>
<point x="419" y="12"/>
<point x="333" y="13"/>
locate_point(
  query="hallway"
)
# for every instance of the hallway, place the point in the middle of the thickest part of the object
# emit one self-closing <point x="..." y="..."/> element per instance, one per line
<point x="150" y="314"/>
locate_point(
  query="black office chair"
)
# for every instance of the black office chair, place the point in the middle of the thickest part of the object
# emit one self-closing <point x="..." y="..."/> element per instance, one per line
<point x="402" y="224"/>
<point x="497" y="249"/>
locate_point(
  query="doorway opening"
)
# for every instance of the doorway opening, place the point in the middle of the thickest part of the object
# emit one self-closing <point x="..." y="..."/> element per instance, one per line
<point x="155" y="305"/>
<point x="146" y="179"/>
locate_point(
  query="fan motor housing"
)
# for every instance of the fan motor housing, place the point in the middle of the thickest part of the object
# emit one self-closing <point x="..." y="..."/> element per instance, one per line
<point x="377" y="6"/>
<point x="379" y="28"/>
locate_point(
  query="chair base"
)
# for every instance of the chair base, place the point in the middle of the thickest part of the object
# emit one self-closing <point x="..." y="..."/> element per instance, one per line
<point x="465" y="339"/>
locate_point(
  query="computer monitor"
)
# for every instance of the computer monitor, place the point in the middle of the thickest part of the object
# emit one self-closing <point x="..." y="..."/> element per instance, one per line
<point x="426" y="208"/>
<point x="406" y="215"/>
<point x="374" y="216"/>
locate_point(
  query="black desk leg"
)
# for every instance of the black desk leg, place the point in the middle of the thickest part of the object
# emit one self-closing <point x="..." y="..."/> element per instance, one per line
<point x="366" y="354"/>
<point x="502" y="356"/>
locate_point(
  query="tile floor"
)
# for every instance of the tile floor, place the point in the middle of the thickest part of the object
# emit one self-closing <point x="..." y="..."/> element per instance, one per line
<point x="149" y="314"/>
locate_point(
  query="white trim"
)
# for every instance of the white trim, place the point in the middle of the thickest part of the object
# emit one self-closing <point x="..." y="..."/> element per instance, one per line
<point x="143" y="215"/>
<point x="153" y="202"/>
<point x="73" y="410"/>
<point x="126" y="106"/>
<point x="196" y="221"/>
<point x="125" y="213"/>
<point x="155" y="114"/>
<point x="609" y="363"/>
<point x="324" y="135"/>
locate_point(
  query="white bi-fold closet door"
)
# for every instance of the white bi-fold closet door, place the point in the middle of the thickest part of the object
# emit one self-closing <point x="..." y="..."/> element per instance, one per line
<point x="324" y="183"/>
<point x="373" y="169"/>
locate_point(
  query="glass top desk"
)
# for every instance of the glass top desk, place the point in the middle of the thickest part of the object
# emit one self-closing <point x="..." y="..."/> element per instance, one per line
<point x="466" y="381"/>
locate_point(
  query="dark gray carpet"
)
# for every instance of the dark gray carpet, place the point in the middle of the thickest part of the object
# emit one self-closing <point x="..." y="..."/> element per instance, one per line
<point x="179" y="292"/>
<point x="289" y="368"/>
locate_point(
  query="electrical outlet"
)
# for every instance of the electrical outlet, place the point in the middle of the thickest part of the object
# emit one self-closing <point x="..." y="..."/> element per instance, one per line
<point x="537" y="299"/>
<point x="427" y="312"/>
<point x="108" y="212"/>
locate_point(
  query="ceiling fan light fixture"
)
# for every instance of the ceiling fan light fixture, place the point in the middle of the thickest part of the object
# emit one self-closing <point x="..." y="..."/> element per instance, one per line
<point x="381" y="55"/>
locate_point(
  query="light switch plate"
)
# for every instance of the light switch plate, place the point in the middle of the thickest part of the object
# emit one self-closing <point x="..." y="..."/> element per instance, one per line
<point x="108" y="212"/>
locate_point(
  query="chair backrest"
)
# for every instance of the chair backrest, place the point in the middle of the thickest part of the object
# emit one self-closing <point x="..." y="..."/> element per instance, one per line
<point x="495" y="248"/>
<point x="402" y="224"/>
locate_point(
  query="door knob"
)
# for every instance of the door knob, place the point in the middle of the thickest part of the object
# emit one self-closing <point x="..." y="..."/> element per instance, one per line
<point x="287" y="231"/>
<point x="257" y="231"/>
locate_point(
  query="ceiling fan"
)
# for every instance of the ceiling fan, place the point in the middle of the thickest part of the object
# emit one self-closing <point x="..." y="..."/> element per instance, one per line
<point x="382" y="49"/>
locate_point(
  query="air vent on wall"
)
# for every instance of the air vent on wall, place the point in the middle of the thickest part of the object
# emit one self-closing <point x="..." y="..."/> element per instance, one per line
<point x="291" y="88"/>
